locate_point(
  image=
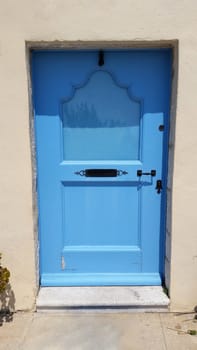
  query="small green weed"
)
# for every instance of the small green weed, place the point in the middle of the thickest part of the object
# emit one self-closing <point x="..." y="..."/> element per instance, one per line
<point x="4" y="276"/>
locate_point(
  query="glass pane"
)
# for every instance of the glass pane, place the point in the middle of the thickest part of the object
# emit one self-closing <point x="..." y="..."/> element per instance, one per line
<point x="101" y="122"/>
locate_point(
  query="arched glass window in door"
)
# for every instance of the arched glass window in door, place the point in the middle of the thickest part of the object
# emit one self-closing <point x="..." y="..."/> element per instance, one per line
<point x="101" y="121"/>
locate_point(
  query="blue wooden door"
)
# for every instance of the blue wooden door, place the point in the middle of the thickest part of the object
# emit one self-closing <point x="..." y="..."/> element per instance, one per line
<point x="101" y="126"/>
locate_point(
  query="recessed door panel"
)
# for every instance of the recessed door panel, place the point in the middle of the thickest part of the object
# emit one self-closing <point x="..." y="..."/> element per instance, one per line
<point x="101" y="121"/>
<point x="97" y="208"/>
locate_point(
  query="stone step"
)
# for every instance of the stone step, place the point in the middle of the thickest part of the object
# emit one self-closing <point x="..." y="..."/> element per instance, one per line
<point x="136" y="298"/>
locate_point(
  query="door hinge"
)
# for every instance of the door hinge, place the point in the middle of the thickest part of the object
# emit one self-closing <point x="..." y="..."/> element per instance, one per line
<point x="159" y="186"/>
<point x="63" y="264"/>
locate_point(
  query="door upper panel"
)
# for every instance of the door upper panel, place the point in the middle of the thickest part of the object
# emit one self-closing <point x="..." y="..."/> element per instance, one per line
<point x="101" y="121"/>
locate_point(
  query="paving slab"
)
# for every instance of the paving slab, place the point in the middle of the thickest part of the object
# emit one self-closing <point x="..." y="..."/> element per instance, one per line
<point x="13" y="330"/>
<point x="95" y="331"/>
<point x="175" y="327"/>
<point x="98" y="331"/>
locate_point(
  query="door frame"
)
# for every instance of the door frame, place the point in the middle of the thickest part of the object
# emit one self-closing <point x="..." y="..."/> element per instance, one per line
<point x="165" y="245"/>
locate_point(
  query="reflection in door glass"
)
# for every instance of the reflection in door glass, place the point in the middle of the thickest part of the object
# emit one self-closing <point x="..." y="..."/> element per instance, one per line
<point x="101" y="122"/>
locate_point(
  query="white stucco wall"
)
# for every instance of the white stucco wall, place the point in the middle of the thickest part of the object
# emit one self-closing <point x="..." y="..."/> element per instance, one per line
<point x="87" y="20"/>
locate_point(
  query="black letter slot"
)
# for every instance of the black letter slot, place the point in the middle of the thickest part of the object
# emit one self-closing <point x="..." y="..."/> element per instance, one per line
<point x="101" y="172"/>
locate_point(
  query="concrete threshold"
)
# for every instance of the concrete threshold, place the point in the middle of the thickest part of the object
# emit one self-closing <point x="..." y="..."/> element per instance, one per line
<point x="133" y="298"/>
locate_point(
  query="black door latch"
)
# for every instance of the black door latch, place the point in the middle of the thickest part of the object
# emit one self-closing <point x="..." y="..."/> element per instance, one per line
<point x="159" y="186"/>
<point x="151" y="173"/>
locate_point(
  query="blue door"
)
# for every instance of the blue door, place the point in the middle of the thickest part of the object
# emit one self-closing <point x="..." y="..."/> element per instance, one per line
<point x="101" y="129"/>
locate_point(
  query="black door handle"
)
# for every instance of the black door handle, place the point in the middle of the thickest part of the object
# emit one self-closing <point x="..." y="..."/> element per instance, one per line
<point x="101" y="172"/>
<point x="152" y="173"/>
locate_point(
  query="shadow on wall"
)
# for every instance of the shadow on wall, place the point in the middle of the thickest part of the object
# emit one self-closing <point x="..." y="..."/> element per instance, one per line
<point x="7" y="304"/>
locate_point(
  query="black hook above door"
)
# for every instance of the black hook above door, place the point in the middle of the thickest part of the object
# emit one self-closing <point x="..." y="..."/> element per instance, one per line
<point x="101" y="58"/>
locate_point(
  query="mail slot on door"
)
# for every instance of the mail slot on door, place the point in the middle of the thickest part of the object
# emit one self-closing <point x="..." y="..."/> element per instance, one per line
<point x="101" y="172"/>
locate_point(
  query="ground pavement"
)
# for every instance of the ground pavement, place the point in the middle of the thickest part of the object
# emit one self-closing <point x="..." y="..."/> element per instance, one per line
<point x="102" y="330"/>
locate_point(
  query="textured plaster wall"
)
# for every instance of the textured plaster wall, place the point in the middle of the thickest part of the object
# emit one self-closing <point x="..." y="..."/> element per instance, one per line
<point x="87" y="20"/>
